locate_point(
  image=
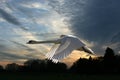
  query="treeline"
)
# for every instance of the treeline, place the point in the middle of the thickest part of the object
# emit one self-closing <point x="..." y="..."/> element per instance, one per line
<point x="109" y="63"/>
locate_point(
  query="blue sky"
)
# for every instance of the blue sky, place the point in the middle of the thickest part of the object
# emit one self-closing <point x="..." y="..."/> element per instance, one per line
<point x="96" y="22"/>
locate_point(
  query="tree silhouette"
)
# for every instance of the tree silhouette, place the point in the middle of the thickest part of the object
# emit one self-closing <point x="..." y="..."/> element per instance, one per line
<point x="12" y="67"/>
<point x="44" y="66"/>
<point x="1" y="68"/>
<point x="55" y="67"/>
<point x="36" y="65"/>
<point x="109" y="60"/>
<point x="105" y="64"/>
<point x="108" y="63"/>
<point x="109" y="54"/>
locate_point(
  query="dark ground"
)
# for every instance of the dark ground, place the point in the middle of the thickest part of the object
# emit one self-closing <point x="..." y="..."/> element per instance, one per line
<point x="56" y="76"/>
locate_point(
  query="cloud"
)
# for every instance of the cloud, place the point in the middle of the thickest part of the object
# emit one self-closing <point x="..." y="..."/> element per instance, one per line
<point x="8" y="17"/>
<point x="2" y="47"/>
<point x="18" y="52"/>
<point x="22" y="46"/>
<point x="28" y="51"/>
<point x="39" y="50"/>
<point x="10" y="56"/>
<point x="93" y="21"/>
<point x="115" y="38"/>
<point x="10" y="53"/>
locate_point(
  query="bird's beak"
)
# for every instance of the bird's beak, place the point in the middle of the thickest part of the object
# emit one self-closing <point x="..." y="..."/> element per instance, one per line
<point x="88" y="50"/>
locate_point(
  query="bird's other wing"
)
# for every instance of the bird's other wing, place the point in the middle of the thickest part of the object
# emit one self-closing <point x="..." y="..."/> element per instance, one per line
<point x="87" y="49"/>
<point x="63" y="50"/>
<point x="83" y="47"/>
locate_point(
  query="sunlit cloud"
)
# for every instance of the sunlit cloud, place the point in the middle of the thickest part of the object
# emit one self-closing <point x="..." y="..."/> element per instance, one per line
<point x="36" y="5"/>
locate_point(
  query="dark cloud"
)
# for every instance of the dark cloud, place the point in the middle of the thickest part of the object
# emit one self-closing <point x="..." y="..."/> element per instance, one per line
<point x="8" y="17"/>
<point x="101" y="20"/>
<point x="115" y="38"/>
<point x="11" y="19"/>
<point x="93" y="20"/>
<point x="115" y="42"/>
<point x="2" y="47"/>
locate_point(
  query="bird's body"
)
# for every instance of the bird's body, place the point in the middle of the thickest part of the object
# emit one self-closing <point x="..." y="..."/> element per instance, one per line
<point x="63" y="47"/>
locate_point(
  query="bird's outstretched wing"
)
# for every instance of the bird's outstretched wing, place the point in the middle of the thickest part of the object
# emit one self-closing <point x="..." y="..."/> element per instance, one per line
<point x="63" y="50"/>
<point x="59" y="51"/>
<point x="50" y="54"/>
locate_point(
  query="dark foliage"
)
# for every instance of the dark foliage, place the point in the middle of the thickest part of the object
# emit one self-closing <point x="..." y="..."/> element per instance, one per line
<point x="37" y="65"/>
<point x="12" y="67"/>
<point x="107" y="64"/>
<point x="1" y="68"/>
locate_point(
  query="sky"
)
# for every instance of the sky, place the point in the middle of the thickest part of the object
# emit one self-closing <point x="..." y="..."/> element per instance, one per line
<point x="95" y="22"/>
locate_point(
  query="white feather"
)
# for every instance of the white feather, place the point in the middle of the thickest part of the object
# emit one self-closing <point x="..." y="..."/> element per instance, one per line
<point x="52" y="51"/>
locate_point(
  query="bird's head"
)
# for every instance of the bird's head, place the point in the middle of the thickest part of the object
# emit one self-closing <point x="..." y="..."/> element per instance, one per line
<point x="31" y="42"/>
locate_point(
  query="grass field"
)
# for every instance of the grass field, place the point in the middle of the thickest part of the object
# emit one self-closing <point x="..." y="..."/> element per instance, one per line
<point x="57" y="77"/>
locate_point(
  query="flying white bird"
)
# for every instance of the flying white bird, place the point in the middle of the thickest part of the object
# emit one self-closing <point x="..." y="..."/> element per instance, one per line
<point x="63" y="47"/>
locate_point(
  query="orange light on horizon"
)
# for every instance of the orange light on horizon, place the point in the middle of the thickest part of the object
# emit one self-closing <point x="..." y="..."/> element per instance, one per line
<point x="74" y="56"/>
<point x="4" y="63"/>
